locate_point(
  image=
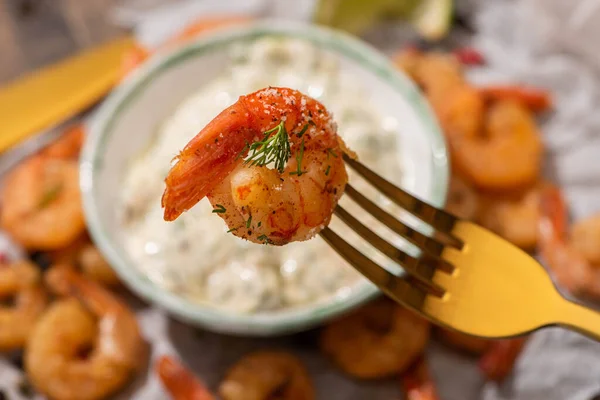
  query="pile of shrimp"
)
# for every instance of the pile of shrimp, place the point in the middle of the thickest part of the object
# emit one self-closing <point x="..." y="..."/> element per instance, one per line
<point x="77" y="339"/>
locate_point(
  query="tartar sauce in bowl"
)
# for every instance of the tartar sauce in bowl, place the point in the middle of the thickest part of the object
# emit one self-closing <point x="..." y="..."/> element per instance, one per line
<point x="194" y="256"/>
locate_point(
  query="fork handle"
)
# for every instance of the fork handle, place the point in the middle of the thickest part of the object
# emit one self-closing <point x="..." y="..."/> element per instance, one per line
<point x="580" y="318"/>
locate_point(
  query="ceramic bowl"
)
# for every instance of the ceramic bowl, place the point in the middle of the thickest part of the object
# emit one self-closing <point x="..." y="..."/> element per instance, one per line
<point x="127" y="120"/>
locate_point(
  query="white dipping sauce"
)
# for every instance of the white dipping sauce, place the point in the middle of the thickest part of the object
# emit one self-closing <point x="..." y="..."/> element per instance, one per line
<point x="194" y="256"/>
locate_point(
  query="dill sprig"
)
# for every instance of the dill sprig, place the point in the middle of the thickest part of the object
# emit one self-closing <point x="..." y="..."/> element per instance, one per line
<point x="274" y="148"/>
<point x="219" y="209"/>
<point x="299" y="157"/>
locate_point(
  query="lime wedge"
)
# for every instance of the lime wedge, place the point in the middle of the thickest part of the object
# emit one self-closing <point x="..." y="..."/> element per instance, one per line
<point x="355" y="16"/>
<point x="433" y="18"/>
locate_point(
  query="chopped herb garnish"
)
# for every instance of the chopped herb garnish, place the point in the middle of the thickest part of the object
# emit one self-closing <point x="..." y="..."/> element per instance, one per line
<point x="259" y="224"/>
<point x="310" y="121"/>
<point x="50" y="195"/>
<point x="303" y="131"/>
<point x="233" y="229"/>
<point x="265" y="239"/>
<point x="249" y="222"/>
<point x="219" y="209"/>
<point x="274" y="148"/>
<point x="327" y="170"/>
<point x="299" y="156"/>
<point x="333" y="153"/>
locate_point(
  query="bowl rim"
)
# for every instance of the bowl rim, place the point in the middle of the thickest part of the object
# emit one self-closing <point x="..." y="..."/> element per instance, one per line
<point x="262" y="324"/>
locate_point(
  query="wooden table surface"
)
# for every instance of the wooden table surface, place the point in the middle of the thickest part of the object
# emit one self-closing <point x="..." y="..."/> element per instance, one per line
<point x="34" y="33"/>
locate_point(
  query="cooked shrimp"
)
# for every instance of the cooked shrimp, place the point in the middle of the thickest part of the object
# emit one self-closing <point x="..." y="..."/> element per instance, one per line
<point x="507" y="154"/>
<point x="418" y="384"/>
<point x="68" y="145"/>
<point x="21" y="282"/>
<point x="459" y="107"/>
<point x="499" y="359"/>
<point x="276" y="127"/>
<point x="463" y="200"/>
<point x="179" y="382"/>
<point x="41" y="203"/>
<point x="376" y="341"/>
<point x="468" y="343"/>
<point x="267" y="375"/>
<point x="86" y="346"/>
<point x="567" y="255"/>
<point x="515" y="217"/>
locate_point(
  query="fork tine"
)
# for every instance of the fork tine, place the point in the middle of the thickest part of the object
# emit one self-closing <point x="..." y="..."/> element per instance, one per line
<point x="414" y="266"/>
<point x="438" y="219"/>
<point x="394" y="286"/>
<point x="425" y="243"/>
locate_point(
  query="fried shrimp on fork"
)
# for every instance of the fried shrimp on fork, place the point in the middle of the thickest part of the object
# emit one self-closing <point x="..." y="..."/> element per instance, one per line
<point x="271" y="165"/>
<point x="85" y="346"/>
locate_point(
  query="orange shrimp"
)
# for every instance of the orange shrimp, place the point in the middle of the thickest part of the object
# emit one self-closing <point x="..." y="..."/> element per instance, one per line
<point x="376" y="341"/>
<point x="574" y="267"/>
<point x="276" y="127"/>
<point x="507" y="154"/>
<point x="418" y="384"/>
<point x="41" y="203"/>
<point x="499" y="359"/>
<point x="180" y="382"/>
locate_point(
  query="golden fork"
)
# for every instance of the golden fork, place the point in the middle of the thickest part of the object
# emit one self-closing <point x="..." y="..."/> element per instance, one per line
<point x="466" y="278"/>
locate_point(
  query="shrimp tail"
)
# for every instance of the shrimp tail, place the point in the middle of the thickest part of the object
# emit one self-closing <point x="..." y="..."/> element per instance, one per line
<point x="537" y="100"/>
<point x="417" y="382"/>
<point x="207" y="159"/>
<point x="179" y="382"/>
<point x="498" y="361"/>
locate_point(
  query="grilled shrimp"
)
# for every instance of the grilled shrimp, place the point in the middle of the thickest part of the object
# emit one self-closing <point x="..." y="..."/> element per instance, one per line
<point x="507" y="154"/>
<point x="271" y="165"/>
<point x="376" y="341"/>
<point x="85" y="346"/>
<point x="267" y="375"/>
<point x="41" y="203"/>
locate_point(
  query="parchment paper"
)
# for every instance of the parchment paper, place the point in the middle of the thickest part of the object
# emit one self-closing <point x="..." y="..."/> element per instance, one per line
<point x="519" y="41"/>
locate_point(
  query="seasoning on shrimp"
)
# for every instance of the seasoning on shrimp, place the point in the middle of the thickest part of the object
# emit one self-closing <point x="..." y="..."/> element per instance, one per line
<point x="265" y="164"/>
<point x="379" y="340"/>
<point x="85" y="346"/>
<point x="41" y="203"/>
<point x="264" y="375"/>
<point x="180" y="382"/>
<point x="21" y="282"/>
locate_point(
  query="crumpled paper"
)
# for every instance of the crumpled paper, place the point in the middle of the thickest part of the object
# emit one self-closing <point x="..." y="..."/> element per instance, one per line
<point x="519" y="40"/>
